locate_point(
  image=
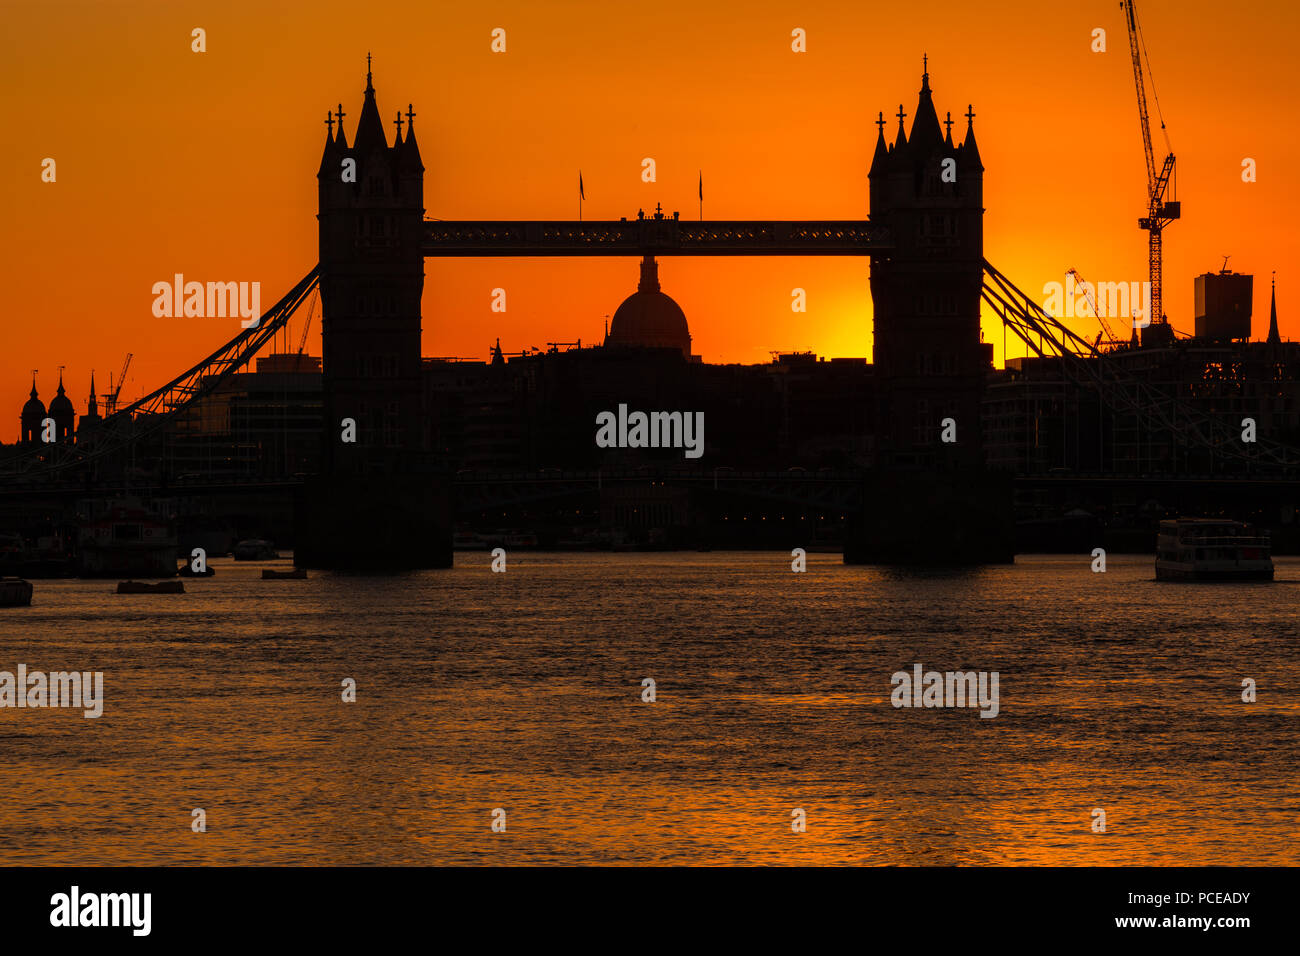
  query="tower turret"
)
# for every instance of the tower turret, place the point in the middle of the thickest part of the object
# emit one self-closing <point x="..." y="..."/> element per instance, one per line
<point x="370" y="128"/>
<point x="926" y="292"/>
<point x="33" y="415"/>
<point x="926" y="136"/>
<point x="372" y="276"/>
<point x="61" y="410"/>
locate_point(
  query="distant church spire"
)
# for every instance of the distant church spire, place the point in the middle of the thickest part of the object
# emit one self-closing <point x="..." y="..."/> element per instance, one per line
<point x="1273" y="337"/>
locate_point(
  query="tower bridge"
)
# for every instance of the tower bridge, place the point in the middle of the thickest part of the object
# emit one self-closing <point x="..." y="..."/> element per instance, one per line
<point x="928" y="278"/>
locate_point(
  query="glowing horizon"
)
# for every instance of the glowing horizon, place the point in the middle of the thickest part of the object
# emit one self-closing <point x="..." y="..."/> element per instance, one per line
<point x="204" y="163"/>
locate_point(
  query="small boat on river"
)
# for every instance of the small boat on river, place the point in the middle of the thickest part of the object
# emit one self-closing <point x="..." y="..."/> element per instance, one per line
<point x="15" y="592"/>
<point x="144" y="587"/>
<point x="297" y="574"/>
<point x="1211" y="549"/>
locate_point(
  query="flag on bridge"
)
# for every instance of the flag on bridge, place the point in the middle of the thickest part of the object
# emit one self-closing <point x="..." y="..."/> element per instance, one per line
<point x="581" y="194"/>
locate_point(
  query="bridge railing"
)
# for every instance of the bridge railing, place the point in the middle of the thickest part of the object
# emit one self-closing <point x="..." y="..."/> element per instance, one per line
<point x="654" y="236"/>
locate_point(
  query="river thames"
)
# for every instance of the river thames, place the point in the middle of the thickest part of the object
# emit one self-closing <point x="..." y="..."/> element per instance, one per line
<point x="523" y="691"/>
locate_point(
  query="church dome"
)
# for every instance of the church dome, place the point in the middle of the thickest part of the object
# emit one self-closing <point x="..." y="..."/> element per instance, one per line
<point x="61" y="405"/>
<point x="648" y="318"/>
<point x="34" y="410"/>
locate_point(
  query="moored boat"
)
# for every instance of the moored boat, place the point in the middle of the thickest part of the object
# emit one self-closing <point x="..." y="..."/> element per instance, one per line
<point x="15" y="592"/>
<point x="126" y="536"/>
<point x="1211" y="549"/>
<point x="297" y="574"/>
<point x="255" y="549"/>
<point x="144" y="587"/>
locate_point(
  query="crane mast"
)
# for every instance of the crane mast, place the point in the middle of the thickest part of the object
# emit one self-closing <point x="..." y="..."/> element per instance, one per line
<point x="110" y="402"/>
<point x="1160" y="212"/>
<point x="302" y="342"/>
<point x="1107" y="332"/>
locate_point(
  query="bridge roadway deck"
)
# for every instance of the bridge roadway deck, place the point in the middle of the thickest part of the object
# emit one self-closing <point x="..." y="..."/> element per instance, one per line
<point x="655" y="236"/>
<point x="838" y="486"/>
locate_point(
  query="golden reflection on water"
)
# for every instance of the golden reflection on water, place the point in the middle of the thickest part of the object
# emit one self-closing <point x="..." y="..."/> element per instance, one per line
<point x="478" y="691"/>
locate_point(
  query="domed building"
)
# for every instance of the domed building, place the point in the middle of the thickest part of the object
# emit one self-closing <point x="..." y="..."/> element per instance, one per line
<point x="33" y="415"/>
<point x="649" y="318"/>
<point x="64" y="415"/>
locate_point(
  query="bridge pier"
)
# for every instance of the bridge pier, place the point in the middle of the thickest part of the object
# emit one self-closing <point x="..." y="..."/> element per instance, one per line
<point x="957" y="517"/>
<point x="374" y="523"/>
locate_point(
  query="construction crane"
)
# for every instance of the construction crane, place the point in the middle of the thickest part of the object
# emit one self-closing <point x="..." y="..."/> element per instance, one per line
<point x="1160" y="212"/>
<point x="302" y="342"/>
<point x="110" y="401"/>
<point x="1107" y="331"/>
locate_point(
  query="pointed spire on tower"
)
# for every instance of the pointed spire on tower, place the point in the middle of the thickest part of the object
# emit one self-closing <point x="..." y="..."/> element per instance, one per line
<point x="341" y="141"/>
<point x="410" y="148"/>
<point x="1273" y="337"/>
<point x="370" y="128"/>
<point x="882" y="150"/>
<point x="329" y="155"/>
<point x="925" y="125"/>
<point x="970" y="152"/>
<point x="900" y="140"/>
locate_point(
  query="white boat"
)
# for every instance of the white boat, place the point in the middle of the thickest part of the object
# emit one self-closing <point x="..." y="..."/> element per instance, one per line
<point x="126" y="536"/>
<point x="1211" y="549"/>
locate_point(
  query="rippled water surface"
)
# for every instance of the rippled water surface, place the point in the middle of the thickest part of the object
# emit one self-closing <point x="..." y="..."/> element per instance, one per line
<point x="522" y="691"/>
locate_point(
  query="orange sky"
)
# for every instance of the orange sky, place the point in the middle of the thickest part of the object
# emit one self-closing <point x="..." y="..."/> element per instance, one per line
<point x="173" y="161"/>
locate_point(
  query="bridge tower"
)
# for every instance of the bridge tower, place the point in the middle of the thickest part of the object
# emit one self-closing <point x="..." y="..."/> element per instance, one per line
<point x="930" y="500"/>
<point x="372" y="276"/>
<point x="930" y="363"/>
<point x="380" y="502"/>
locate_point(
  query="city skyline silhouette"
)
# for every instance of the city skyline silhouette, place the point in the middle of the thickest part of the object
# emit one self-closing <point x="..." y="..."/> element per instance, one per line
<point x="793" y="142"/>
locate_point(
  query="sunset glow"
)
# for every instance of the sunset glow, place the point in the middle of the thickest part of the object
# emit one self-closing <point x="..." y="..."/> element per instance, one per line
<point x="173" y="161"/>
